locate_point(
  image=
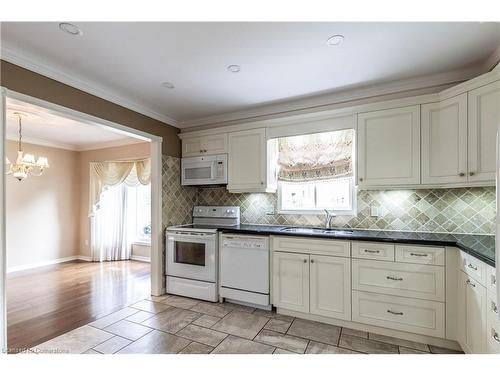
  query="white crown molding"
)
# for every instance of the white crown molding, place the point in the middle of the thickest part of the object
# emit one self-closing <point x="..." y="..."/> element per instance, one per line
<point x="14" y="136"/>
<point x="315" y="102"/>
<point x="36" y="65"/>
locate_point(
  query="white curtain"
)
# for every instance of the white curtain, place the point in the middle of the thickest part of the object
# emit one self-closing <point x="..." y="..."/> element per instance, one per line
<point x="113" y="173"/>
<point x="111" y="238"/>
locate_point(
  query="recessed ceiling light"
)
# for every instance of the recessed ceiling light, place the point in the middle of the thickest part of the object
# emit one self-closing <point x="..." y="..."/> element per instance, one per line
<point x="234" y="68"/>
<point x="70" y="28"/>
<point x="335" y="40"/>
<point x="168" y="85"/>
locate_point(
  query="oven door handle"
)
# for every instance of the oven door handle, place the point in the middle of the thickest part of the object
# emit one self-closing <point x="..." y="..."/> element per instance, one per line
<point x="187" y="235"/>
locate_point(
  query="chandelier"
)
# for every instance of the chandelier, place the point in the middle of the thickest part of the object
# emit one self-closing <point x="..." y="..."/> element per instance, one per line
<point x="25" y="163"/>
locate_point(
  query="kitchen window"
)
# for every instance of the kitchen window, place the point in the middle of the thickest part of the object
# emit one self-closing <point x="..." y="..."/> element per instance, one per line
<point x="315" y="172"/>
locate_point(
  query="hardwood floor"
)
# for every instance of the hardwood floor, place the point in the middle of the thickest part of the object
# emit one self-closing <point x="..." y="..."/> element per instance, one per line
<point x="49" y="301"/>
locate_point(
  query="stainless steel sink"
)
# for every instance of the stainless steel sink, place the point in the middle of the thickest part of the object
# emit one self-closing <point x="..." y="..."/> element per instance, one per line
<point x="316" y="231"/>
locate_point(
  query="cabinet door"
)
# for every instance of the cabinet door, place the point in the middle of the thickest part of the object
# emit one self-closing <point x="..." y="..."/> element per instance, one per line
<point x="192" y="147"/>
<point x="215" y="144"/>
<point x="389" y="147"/>
<point x="484" y="120"/>
<point x="471" y="315"/>
<point x="247" y="161"/>
<point x="330" y="286"/>
<point x="291" y="281"/>
<point x="444" y="141"/>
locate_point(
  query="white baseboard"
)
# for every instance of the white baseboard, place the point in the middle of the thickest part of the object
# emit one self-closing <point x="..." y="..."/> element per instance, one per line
<point x="141" y="258"/>
<point x="48" y="263"/>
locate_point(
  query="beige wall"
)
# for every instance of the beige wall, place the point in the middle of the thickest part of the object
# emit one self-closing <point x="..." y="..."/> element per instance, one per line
<point x="30" y="83"/>
<point x="137" y="150"/>
<point x="43" y="212"/>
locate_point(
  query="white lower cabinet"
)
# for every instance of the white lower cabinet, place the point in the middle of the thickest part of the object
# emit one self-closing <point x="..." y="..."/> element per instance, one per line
<point x="399" y="279"/>
<point x="492" y="324"/>
<point x="315" y="284"/>
<point x="471" y="314"/>
<point x="330" y="286"/>
<point x="291" y="281"/>
<point x="404" y="314"/>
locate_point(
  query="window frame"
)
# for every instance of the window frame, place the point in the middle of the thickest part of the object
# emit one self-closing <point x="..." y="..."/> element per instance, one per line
<point x="352" y="212"/>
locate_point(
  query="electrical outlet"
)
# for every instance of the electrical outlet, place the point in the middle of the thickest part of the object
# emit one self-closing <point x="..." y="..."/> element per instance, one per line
<point x="270" y="210"/>
<point x="374" y="211"/>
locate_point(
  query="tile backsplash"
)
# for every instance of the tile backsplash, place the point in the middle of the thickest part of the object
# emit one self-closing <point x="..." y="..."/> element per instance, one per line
<point x="460" y="210"/>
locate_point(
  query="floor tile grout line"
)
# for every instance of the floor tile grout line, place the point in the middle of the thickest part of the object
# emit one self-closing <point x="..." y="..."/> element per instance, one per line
<point x="399" y="345"/>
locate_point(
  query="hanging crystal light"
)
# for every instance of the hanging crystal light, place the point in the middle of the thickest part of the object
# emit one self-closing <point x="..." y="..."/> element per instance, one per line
<point x="25" y="164"/>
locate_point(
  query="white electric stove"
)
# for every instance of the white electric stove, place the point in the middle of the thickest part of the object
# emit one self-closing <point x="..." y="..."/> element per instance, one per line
<point x="192" y="252"/>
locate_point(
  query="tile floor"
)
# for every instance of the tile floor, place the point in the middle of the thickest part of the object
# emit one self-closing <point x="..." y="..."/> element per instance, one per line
<point x="172" y="324"/>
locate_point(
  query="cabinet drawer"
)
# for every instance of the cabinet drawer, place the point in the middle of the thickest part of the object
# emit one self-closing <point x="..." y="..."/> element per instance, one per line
<point x="373" y="250"/>
<point x="472" y="267"/>
<point x="405" y="314"/>
<point x="399" y="279"/>
<point x="312" y="246"/>
<point x="420" y="254"/>
<point x="491" y="279"/>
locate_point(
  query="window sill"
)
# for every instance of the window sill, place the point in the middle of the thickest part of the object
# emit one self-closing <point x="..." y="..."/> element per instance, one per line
<point x="141" y="242"/>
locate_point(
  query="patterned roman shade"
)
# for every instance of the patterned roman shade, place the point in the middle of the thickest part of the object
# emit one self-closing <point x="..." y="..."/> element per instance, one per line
<point x="317" y="156"/>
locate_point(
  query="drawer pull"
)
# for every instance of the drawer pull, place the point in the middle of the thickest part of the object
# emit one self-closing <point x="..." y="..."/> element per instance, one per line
<point x="495" y="336"/>
<point x="471" y="266"/>
<point x="494" y="307"/>
<point x="394" y="312"/>
<point x="372" y="251"/>
<point x="305" y="260"/>
<point x="418" y="255"/>
<point x="470" y="283"/>
<point x="394" y="278"/>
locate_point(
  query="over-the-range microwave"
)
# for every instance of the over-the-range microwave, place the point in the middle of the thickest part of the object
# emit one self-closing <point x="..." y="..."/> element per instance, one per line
<point x="204" y="170"/>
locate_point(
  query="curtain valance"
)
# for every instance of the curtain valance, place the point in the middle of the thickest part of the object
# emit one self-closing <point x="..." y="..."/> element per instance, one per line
<point x="316" y="156"/>
<point x="111" y="173"/>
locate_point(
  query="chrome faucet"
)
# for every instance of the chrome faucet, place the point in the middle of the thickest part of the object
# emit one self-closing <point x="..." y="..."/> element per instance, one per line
<point x="328" y="219"/>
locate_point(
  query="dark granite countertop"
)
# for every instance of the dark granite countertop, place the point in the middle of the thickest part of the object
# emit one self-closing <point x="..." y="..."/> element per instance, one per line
<point x="480" y="246"/>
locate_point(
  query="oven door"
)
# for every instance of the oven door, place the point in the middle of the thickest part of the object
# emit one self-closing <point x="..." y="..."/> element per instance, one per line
<point x="191" y="256"/>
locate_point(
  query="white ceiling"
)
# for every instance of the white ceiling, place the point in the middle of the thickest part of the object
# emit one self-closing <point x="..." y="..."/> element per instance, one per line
<point x="127" y="62"/>
<point x="43" y="127"/>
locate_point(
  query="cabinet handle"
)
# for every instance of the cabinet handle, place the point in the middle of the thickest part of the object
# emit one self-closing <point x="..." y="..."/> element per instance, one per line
<point x="312" y="260"/>
<point x="470" y="283"/>
<point x="494" y="307"/>
<point x="371" y="251"/>
<point x="394" y="312"/>
<point x="394" y="278"/>
<point x="361" y="179"/>
<point x="418" y="255"/>
<point x="461" y="174"/>
<point x="305" y="260"/>
<point x="472" y="173"/>
<point x="262" y="182"/>
<point x="204" y="150"/>
<point x="495" y="336"/>
<point x="471" y="266"/>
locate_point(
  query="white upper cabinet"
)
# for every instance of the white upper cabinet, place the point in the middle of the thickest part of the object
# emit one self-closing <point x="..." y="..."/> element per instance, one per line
<point x="207" y="145"/>
<point x="444" y="141"/>
<point x="484" y="120"/>
<point x="248" y="162"/>
<point x="389" y="147"/>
